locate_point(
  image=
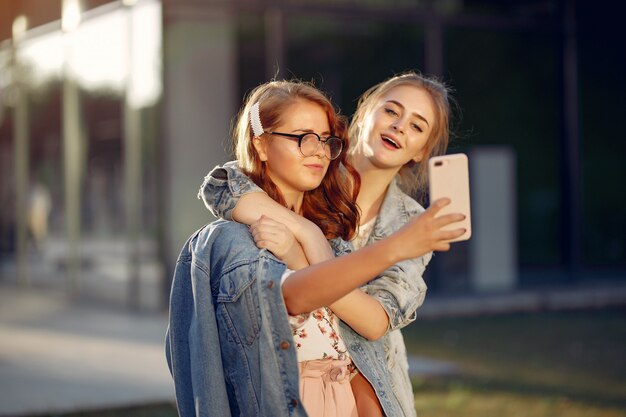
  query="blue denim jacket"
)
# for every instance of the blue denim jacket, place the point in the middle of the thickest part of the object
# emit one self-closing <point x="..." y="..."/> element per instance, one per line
<point x="400" y="289"/>
<point x="229" y="344"/>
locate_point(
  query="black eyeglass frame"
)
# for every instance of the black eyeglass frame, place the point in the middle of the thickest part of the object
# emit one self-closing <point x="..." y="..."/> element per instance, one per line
<point x="321" y="141"/>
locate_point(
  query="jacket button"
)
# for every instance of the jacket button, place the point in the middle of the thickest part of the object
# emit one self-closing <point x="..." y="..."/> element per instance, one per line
<point x="270" y="285"/>
<point x="284" y="345"/>
<point x="294" y="402"/>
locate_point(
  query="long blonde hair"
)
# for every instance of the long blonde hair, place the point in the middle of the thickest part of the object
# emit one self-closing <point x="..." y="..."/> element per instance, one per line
<point x="413" y="177"/>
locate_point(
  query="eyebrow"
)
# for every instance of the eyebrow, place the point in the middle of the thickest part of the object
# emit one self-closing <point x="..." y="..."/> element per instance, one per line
<point x="419" y="116"/>
<point x="310" y="131"/>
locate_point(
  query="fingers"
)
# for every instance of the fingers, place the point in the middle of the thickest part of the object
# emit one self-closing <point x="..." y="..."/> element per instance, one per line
<point x="270" y="234"/>
<point x="266" y="224"/>
<point x="442" y="243"/>
<point x="431" y="224"/>
<point x="447" y="219"/>
<point x="436" y="206"/>
<point x="443" y="219"/>
<point x="265" y="244"/>
<point x="432" y="232"/>
<point x="448" y="235"/>
<point x="264" y="233"/>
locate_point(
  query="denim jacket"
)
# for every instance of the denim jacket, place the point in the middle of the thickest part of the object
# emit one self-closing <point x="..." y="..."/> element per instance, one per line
<point x="400" y="289"/>
<point x="229" y="344"/>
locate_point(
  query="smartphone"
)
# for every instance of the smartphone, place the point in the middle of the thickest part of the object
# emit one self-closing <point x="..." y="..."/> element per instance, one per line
<point x="448" y="176"/>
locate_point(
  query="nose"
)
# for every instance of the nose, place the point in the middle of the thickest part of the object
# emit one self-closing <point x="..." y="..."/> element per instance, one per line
<point x="398" y="125"/>
<point x="320" y="152"/>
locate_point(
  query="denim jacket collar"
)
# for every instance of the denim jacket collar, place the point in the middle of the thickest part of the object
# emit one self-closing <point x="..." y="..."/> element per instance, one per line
<point x="393" y="213"/>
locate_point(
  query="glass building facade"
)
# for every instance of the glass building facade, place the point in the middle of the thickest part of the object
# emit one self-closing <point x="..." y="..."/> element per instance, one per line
<point x="112" y="112"/>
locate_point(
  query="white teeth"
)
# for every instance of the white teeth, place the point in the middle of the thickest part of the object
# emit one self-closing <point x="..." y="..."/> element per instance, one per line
<point x="388" y="139"/>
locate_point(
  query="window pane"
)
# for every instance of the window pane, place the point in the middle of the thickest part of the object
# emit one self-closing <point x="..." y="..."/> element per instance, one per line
<point x="508" y="86"/>
<point x="602" y="92"/>
<point x="345" y="57"/>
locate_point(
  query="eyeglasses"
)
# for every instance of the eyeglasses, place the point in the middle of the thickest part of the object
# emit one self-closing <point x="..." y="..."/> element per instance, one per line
<point x="310" y="142"/>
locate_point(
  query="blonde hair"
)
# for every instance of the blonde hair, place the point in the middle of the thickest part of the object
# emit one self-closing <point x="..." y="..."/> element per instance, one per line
<point x="413" y="177"/>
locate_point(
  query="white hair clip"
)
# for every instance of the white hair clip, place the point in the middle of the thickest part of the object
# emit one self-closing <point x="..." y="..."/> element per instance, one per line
<point x="255" y="120"/>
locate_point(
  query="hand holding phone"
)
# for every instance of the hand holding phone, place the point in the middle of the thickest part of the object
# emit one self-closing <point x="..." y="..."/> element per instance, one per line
<point x="449" y="177"/>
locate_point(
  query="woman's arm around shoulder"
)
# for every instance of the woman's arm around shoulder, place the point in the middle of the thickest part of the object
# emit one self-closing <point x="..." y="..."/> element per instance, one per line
<point x="324" y="283"/>
<point x="389" y="301"/>
<point x="228" y="193"/>
<point x="223" y="187"/>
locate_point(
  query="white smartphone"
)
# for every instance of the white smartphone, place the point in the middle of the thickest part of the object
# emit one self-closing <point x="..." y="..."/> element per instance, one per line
<point x="448" y="176"/>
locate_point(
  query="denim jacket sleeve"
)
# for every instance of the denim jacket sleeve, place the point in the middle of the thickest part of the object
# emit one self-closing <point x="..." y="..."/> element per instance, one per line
<point x="340" y="246"/>
<point x="223" y="186"/>
<point x="193" y="372"/>
<point x="400" y="289"/>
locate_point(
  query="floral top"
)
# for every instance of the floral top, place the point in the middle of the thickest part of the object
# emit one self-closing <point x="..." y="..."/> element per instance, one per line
<point x="316" y="334"/>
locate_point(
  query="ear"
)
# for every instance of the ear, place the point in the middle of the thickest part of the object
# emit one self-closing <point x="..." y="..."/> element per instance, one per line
<point x="420" y="155"/>
<point x="260" y="144"/>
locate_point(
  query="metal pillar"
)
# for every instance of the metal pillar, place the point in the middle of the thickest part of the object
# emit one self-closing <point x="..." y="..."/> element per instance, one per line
<point x="22" y="146"/>
<point x="73" y="152"/>
<point x="571" y="172"/>
<point x="132" y="173"/>
<point x="200" y="90"/>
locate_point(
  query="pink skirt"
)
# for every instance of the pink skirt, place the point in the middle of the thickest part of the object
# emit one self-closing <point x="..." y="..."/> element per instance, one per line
<point x="325" y="388"/>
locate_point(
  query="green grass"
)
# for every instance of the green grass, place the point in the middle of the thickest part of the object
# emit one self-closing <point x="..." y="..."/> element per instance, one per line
<point x="548" y="364"/>
<point x="463" y="401"/>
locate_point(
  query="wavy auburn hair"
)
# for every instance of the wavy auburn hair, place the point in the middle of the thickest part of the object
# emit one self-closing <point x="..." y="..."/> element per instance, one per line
<point x="332" y="205"/>
<point x="413" y="177"/>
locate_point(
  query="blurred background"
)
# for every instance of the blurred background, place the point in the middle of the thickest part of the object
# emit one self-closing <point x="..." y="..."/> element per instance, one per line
<point x="112" y="112"/>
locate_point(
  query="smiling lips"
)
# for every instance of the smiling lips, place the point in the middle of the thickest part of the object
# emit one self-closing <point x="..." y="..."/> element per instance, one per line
<point x="389" y="142"/>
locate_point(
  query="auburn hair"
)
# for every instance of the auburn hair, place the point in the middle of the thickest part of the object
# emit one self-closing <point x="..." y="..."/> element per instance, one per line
<point x="332" y="205"/>
<point x="413" y="177"/>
